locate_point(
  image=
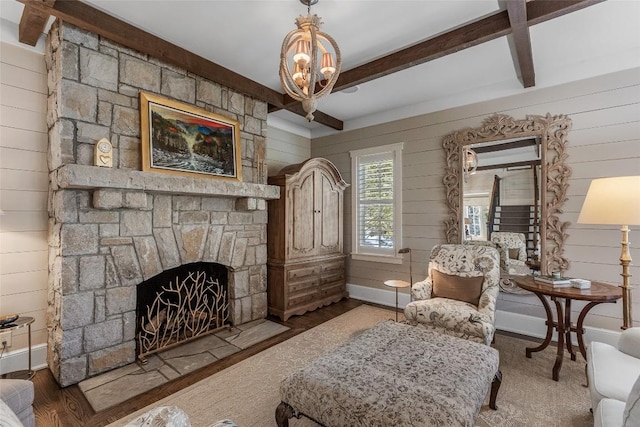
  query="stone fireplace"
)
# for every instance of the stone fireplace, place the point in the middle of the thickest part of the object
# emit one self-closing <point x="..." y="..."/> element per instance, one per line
<point x="110" y="229"/>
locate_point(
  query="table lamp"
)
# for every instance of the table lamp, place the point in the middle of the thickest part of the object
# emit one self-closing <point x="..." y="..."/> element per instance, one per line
<point x="616" y="201"/>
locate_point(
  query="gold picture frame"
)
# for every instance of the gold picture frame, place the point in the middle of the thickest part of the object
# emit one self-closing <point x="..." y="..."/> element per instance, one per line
<point x="181" y="139"/>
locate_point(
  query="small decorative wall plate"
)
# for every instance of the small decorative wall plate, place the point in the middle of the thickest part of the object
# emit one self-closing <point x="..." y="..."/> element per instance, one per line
<point x="103" y="153"/>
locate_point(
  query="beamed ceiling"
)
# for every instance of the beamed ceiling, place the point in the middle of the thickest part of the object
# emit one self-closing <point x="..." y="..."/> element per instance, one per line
<point x="405" y="57"/>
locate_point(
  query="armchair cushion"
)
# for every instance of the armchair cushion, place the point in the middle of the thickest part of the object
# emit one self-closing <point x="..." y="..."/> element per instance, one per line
<point x="611" y="372"/>
<point x="630" y="342"/>
<point x="467" y="289"/>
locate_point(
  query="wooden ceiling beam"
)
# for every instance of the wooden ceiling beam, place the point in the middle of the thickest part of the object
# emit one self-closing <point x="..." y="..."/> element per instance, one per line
<point x="521" y="41"/>
<point x="93" y="20"/>
<point x="33" y="22"/>
<point x="469" y="35"/>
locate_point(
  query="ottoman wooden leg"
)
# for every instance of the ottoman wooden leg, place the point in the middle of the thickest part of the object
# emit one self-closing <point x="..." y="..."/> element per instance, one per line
<point x="495" y="386"/>
<point x="283" y="412"/>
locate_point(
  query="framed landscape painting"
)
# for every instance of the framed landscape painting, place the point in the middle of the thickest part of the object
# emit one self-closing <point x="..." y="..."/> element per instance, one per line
<point x="182" y="139"/>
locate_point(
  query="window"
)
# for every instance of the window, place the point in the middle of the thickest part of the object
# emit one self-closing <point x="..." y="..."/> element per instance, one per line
<point x="376" y="201"/>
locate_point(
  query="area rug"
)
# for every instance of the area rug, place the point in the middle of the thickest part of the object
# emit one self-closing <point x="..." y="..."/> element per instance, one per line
<point x="247" y="392"/>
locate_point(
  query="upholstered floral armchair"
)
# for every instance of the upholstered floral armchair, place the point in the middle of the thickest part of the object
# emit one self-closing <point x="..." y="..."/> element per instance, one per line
<point x="513" y="252"/>
<point x="459" y="295"/>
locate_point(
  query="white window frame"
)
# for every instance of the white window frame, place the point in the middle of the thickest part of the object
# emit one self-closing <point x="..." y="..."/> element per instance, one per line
<point x="380" y="254"/>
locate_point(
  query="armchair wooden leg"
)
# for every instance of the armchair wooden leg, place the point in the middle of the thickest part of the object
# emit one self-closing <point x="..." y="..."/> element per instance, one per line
<point x="283" y="412"/>
<point x="495" y="386"/>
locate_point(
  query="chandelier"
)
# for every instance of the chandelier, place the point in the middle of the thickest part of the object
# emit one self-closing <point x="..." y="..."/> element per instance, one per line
<point x="469" y="162"/>
<point x="307" y="67"/>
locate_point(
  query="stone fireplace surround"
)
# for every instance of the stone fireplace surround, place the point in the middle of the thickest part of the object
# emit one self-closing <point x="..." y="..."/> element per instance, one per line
<point x="112" y="228"/>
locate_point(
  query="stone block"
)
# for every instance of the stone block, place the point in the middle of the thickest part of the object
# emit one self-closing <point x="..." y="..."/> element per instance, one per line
<point x="187" y="203"/>
<point x="72" y="370"/>
<point x="71" y="343"/>
<point x="92" y="269"/>
<point x="68" y="274"/>
<point x="135" y="223"/>
<point x="79" y="37"/>
<point x="227" y="244"/>
<point x="129" y="143"/>
<point x="213" y="244"/>
<point x="98" y="69"/>
<point x="148" y="256"/>
<point x="115" y="241"/>
<point x="239" y="284"/>
<point x="236" y="103"/>
<point x="65" y="207"/>
<point x="102" y="335"/>
<point x="111" y="274"/>
<point x="191" y="240"/>
<point x="161" y="211"/>
<point x="115" y="98"/>
<point x="135" y="200"/>
<point x="194" y="217"/>
<point x="253" y="126"/>
<point x="79" y="101"/>
<point x="79" y="239"/>
<point x="129" y="325"/>
<point x="260" y="110"/>
<point x="99" y="217"/>
<point x="126" y="263"/>
<point x="112" y="357"/>
<point x="219" y="204"/>
<point x="76" y="310"/>
<point x="247" y="314"/>
<point x="255" y="284"/>
<point x="109" y="230"/>
<point x="239" y="252"/>
<point x="209" y="92"/>
<point x="219" y="218"/>
<point x="104" y="198"/>
<point x="100" y="308"/>
<point x="259" y="306"/>
<point x="139" y="74"/>
<point x="91" y="133"/>
<point x="84" y="154"/>
<point x="240" y="218"/>
<point x="69" y="61"/>
<point x="260" y="217"/>
<point x="129" y="159"/>
<point x="104" y="113"/>
<point x="120" y="300"/>
<point x="167" y="247"/>
<point x="250" y="255"/>
<point x="261" y="254"/>
<point x="178" y="86"/>
<point x="126" y="121"/>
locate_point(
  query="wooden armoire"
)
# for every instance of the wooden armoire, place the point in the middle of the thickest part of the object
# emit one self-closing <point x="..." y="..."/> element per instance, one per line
<point x="305" y="265"/>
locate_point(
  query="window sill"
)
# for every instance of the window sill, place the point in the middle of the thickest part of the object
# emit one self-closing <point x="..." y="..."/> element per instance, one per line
<point x="377" y="258"/>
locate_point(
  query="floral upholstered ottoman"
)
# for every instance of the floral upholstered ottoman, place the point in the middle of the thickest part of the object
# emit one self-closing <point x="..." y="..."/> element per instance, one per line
<point x="394" y="375"/>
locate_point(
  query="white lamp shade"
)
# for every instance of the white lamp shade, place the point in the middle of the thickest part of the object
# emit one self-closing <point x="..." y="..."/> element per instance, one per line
<point x="612" y="201"/>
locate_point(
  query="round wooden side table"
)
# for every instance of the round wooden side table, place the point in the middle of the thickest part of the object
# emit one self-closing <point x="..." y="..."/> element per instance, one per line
<point x="397" y="284"/>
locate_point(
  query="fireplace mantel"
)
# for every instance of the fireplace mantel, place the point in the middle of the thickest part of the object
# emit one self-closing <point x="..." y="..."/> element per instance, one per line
<point x="73" y="176"/>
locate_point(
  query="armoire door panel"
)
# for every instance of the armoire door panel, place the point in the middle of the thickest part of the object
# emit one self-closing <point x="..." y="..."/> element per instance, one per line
<point x="329" y="218"/>
<point x="302" y="239"/>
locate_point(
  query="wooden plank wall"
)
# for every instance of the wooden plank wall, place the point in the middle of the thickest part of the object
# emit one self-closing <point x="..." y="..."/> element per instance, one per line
<point x="284" y="148"/>
<point x="23" y="190"/>
<point x="604" y="141"/>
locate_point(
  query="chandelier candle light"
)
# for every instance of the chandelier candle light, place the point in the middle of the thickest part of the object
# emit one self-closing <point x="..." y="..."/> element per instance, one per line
<point x="616" y="201"/>
<point x="307" y="67"/>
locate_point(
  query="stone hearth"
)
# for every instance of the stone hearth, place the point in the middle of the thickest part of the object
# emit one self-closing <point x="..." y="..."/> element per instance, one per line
<point x="112" y="228"/>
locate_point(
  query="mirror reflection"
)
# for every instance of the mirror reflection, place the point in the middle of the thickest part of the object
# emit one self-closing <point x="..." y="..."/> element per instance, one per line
<point x="501" y="200"/>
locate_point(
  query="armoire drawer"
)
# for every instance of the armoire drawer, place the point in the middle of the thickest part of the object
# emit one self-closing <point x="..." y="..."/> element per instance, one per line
<point x="302" y="285"/>
<point x="300" y="299"/>
<point x="294" y="273"/>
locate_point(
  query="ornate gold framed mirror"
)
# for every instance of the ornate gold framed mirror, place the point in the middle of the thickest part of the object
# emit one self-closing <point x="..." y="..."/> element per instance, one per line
<point x="552" y="132"/>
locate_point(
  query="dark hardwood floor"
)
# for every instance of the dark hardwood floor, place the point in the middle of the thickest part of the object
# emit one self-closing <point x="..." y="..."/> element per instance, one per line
<point x="66" y="407"/>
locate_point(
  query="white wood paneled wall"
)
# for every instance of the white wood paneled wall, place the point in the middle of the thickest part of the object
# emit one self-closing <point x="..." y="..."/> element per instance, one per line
<point x="23" y="190"/>
<point x="604" y="141"/>
<point x="285" y="148"/>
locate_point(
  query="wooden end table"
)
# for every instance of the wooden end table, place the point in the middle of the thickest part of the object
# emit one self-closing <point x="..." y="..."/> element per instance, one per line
<point x="597" y="294"/>
<point x="397" y="284"/>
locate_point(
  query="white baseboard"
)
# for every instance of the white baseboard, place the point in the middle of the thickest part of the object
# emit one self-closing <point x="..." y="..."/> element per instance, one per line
<point x="505" y="321"/>
<point x="19" y="359"/>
